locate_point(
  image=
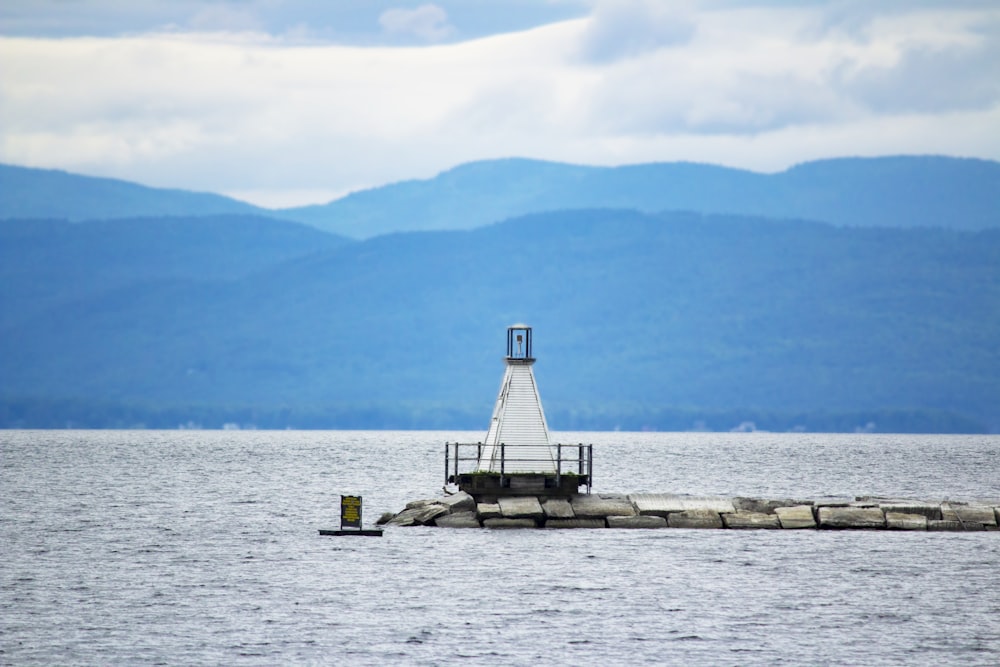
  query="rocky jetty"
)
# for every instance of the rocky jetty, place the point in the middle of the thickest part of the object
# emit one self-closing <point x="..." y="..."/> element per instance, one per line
<point x="665" y="510"/>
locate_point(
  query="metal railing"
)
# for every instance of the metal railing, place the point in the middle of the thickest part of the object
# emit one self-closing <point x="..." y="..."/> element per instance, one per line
<point x="567" y="456"/>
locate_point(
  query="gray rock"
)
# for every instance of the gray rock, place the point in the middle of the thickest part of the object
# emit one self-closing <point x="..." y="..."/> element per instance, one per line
<point x="832" y="501"/>
<point x="558" y="508"/>
<point x="968" y="513"/>
<point x="975" y="525"/>
<point x="488" y="511"/>
<point x="701" y="518"/>
<point x="662" y="504"/>
<point x="763" y="505"/>
<point x="851" y="517"/>
<point x="419" y="516"/>
<point x="902" y="521"/>
<point x="509" y="523"/>
<point x="417" y="504"/>
<point x="575" y="523"/>
<point x="521" y="507"/>
<point x="928" y="510"/>
<point x="636" y="522"/>
<point x="459" y="502"/>
<point x="944" y="525"/>
<point x="404" y="518"/>
<point x="458" y="520"/>
<point x="657" y="504"/>
<point x="800" y="516"/>
<point x="385" y="518"/>
<point x="594" y="506"/>
<point x="751" y="520"/>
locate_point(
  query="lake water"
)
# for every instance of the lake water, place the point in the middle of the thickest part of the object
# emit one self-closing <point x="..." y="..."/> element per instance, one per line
<point x="201" y="547"/>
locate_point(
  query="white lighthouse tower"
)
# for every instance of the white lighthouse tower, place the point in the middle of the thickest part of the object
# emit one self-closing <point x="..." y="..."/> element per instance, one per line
<point x="517" y="457"/>
<point x="518" y="420"/>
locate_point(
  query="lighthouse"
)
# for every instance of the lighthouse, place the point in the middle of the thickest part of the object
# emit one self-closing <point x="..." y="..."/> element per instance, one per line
<point x="518" y="457"/>
<point x="518" y="418"/>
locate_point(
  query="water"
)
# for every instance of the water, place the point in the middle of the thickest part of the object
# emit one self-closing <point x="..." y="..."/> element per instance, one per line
<point x="201" y="547"/>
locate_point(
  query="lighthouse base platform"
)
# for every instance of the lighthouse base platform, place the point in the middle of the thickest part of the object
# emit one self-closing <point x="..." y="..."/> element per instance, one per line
<point x="485" y="485"/>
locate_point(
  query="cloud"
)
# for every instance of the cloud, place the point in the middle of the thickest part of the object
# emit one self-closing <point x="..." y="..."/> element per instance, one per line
<point x="427" y="22"/>
<point x="938" y="64"/>
<point x="759" y="87"/>
<point x="629" y="28"/>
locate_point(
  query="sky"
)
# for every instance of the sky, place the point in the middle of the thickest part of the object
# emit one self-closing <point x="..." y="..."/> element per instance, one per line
<point x="293" y="102"/>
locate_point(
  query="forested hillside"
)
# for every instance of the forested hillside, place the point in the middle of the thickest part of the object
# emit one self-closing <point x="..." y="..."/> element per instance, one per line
<point x="929" y="191"/>
<point x="50" y="193"/>
<point x="871" y="192"/>
<point x="673" y="320"/>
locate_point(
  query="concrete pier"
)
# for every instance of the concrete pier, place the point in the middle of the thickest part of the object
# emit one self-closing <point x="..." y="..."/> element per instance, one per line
<point x="667" y="510"/>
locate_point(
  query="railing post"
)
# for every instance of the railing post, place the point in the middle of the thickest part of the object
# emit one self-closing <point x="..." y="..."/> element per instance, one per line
<point x="590" y="466"/>
<point x="446" y="463"/>
<point x="558" y="465"/>
<point x="502" y="461"/>
<point x="456" y="463"/>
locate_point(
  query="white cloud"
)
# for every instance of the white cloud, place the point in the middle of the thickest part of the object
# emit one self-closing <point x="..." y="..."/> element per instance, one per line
<point x="754" y="87"/>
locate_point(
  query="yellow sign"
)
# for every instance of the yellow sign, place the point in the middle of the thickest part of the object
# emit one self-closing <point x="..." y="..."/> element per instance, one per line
<point x="350" y="511"/>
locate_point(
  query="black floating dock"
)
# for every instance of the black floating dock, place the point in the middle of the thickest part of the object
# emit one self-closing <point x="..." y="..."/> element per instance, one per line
<point x="366" y="532"/>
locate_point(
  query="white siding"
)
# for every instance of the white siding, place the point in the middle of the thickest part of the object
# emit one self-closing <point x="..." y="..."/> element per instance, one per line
<point x="519" y="422"/>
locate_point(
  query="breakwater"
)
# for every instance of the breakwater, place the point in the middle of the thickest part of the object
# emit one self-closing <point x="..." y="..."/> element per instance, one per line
<point x="665" y="510"/>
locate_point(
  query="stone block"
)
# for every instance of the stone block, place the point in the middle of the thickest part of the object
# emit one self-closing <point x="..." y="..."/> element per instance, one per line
<point x="800" y="516"/>
<point x="983" y="514"/>
<point x="459" y="502"/>
<point x="656" y="504"/>
<point x="902" y="521"/>
<point x="927" y="510"/>
<point x="457" y="520"/>
<point x="417" y="504"/>
<point x="636" y="522"/>
<point x="943" y="525"/>
<point x="851" y="518"/>
<point x="832" y="501"/>
<point x="751" y="520"/>
<point x="521" y="507"/>
<point x="509" y="523"/>
<point x="701" y="518"/>
<point x="419" y="516"/>
<point x="594" y="506"/>
<point x="764" y="505"/>
<point x="488" y="511"/>
<point x="575" y="523"/>
<point x="558" y="508"/>
<point x="662" y="504"/>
